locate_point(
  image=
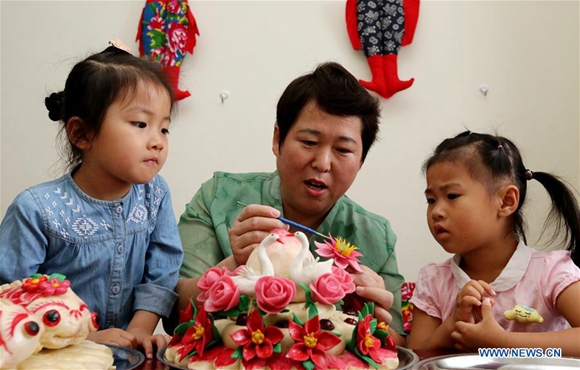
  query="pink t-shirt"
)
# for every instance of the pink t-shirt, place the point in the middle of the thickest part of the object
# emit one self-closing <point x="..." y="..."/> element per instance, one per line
<point x="531" y="278"/>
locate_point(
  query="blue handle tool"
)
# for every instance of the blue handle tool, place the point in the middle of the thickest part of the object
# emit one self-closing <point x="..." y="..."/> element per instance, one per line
<point x="297" y="225"/>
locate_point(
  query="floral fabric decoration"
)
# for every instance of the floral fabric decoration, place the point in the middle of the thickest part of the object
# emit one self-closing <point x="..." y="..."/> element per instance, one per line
<point x="167" y="31"/>
<point x="380" y="28"/>
<point x="406" y="306"/>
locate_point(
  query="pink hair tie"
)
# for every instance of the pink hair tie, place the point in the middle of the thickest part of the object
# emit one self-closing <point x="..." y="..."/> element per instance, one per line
<point x="500" y="146"/>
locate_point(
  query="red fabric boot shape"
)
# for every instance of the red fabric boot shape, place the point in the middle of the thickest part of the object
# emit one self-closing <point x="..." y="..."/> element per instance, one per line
<point x="172" y="73"/>
<point x="411" y="8"/>
<point x="351" y="24"/>
<point x="391" y="76"/>
<point x="377" y="69"/>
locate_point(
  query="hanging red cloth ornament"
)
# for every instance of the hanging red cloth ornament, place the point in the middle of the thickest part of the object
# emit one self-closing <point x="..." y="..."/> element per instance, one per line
<point x="380" y="28"/>
<point x="167" y="30"/>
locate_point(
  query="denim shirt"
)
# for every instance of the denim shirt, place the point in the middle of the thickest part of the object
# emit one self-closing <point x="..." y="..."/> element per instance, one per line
<point x="120" y="256"/>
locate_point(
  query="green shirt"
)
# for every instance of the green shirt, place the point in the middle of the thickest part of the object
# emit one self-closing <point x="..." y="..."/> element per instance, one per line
<point x="205" y="224"/>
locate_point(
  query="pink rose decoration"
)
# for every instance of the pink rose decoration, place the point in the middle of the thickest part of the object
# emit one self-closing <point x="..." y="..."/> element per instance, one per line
<point x="208" y="280"/>
<point x="53" y="287"/>
<point x="345" y="279"/>
<point x="223" y="295"/>
<point x="327" y="289"/>
<point x="273" y="294"/>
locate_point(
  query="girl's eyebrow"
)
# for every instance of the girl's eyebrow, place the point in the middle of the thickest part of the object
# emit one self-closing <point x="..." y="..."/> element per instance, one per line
<point x="145" y="109"/>
<point x="444" y="187"/>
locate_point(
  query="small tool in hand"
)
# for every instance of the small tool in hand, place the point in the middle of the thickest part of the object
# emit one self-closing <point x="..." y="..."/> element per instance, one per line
<point x="296" y="225"/>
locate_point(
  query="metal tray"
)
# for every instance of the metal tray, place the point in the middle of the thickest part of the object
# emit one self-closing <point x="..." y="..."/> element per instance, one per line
<point x="126" y="358"/>
<point x="474" y="361"/>
<point x="407" y="359"/>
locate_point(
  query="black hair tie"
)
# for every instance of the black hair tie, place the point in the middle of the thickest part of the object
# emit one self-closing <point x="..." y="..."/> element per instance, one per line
<point x="529" y="174"/>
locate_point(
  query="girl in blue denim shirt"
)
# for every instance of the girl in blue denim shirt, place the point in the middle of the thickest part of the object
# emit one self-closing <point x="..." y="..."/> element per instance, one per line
<point x="108" y="225"/>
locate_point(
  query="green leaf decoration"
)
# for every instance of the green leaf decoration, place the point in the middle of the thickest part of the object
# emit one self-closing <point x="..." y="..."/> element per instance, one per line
<point x="234" y="312"/>
<point x="35" y="276"/>
<point x="278" y="348"/>
<point x="309" y="300"/>
<point x="337" y="334"/>
<point x="308" y="365"/>
<point x="383" y="335"/>
<point x="214" y="341"/>
<point x="59" y="277"/>
<point x="312" y="311"/>
<point x="351" y="344"/>
<point x="244" y="303"/>
<point x="243" y="306"/>
<point x="238" y="353"/>
<point x="214" y="331"/>
<point x="369" y="360"/>
<point x="182" y="328"/>
<point x="297" y="320"/>
<point x="373" y="325"/>
<point x="371" y="308"/>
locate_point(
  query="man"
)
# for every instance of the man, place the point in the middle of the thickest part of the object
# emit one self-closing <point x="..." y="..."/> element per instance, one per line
<point x="326" y="123"/>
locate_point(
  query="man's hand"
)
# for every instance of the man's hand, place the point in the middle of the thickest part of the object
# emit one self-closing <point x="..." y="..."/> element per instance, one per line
<point x="251" y="226"/>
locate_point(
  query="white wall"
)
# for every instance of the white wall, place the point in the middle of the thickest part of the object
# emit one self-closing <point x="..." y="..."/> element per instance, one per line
<point x="527" y="52"/>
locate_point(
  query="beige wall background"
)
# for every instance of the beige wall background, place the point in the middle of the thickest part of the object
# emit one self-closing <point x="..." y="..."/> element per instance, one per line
<point x="527" y="52"/>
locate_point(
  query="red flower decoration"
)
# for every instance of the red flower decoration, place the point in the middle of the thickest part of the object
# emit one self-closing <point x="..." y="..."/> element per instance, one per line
<point x="257" y="339"/>
<point x="197" y="336"/>
<point x="311" y="343"/>
<point x="343" y="252"/>
<point x="368" y="344"/>
<point x="53" y="287"/>
<point x="32" y="284"/>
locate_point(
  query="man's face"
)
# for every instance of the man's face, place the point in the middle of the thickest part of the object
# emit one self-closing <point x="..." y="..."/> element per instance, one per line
<point x="318" y="161"/>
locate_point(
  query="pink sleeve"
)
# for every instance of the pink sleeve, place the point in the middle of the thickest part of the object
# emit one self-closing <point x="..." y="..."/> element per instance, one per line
<point x="560" y="273"/>
<point x="426" y="296"/>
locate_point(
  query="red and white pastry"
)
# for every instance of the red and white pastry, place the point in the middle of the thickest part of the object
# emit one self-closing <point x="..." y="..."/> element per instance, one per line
<point x="278" y="312"/>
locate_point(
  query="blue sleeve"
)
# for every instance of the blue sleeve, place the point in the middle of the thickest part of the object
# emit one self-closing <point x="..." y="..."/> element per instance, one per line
<point x="23" y="242"/>
<point x="162" y="262"/>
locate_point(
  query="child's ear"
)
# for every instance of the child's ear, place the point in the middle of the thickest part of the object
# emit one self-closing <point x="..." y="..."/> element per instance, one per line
<point x="76" y="133"/>
<point x="510" y="199"/>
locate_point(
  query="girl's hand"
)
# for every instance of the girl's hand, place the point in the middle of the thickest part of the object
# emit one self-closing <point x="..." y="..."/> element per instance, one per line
<point x="485" y="333"/>
<point x="114" y="336"/>
<point x="252" y="225"/>
<point x="469" y="301"/>
<point x="147" y="341"/>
